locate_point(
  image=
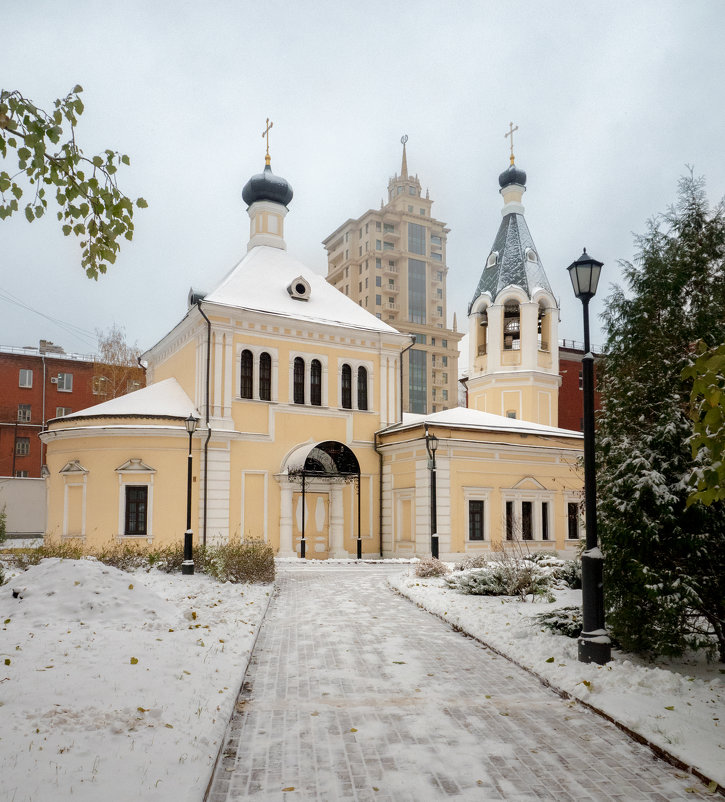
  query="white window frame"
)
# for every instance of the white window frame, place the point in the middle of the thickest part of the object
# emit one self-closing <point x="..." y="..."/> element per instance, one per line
<point x="573" y="499"/>
<point x="25" y="450"/>
<point x="354" y="365"/>
<point x="536" y="497"/>
<point x="25" y="413"/>
<point x="477" y="494"/>
<point x="136" y="473"/>
<point x="27" y="375"/>
<point x="307" y="359"/>
<point x="65" y="382"/>
<point x="61" y="412"/>
<point x="257" y="351"/>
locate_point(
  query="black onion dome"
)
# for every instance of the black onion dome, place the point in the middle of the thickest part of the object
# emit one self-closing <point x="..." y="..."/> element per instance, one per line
<point x="514" y="175"/>
<point x="267" y="186"/>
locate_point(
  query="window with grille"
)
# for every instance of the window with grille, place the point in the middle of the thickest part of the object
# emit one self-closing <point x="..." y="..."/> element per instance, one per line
<point x="316" y="383"/>
<point x="246" y="374"/>
<point x="362" y="388"/>
<point x="298" y="380"/>
<point x="24" y="413"/>
<point x="265" y="376"/>
<point x="346" y="387"/>
<point x="475" y="519"/>
<point x="22" y="446"/>
<point x="136" y="510"/>
<point x="25" y="378"/>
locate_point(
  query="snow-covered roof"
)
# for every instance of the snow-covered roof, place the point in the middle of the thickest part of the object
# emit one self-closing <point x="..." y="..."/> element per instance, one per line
<point x="463" y="417"/>
<point x="165" y="399"/>
<point x="260" y="281"/>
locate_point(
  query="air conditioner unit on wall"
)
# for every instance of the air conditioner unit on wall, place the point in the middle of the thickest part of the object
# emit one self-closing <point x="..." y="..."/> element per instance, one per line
<point x="54" y="380"/>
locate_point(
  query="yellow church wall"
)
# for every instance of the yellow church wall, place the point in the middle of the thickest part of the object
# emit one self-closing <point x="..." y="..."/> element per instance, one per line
<point x="493" y="467"/>
<point x="181" y="365"/>
<point x="89" y="503"/>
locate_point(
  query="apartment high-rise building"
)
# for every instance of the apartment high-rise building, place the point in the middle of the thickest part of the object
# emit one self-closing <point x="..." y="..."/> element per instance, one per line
<point x="392" y="262"/>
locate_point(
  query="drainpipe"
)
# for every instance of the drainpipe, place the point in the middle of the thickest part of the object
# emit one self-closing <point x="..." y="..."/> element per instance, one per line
<point x="380" y="492"/>
<point x="42" y="445"/>
<point x="412" y="337"/>
<point x="208" y="428"/>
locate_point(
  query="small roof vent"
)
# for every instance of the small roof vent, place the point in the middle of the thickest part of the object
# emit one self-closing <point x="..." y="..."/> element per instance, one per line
<point x="299" y="289"/>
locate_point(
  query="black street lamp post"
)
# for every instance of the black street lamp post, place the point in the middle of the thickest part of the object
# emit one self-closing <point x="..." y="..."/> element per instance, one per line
<point x="594" y="643"/>
<point x="187" y="567"/>
<point x="431" y="444"/>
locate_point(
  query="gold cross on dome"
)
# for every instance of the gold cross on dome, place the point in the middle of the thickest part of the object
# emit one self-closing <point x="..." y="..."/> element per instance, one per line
<point x="510" y="133"/>
<point x="265" y="133"/>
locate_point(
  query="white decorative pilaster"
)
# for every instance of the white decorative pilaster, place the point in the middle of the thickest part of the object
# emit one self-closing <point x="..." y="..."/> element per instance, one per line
<point x="337" y="518"/>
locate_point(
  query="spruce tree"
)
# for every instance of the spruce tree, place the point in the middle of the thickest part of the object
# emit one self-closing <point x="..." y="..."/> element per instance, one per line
<point x="665" y="560"/>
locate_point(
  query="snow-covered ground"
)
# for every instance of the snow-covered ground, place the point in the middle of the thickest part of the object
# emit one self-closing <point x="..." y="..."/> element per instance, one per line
<point x="118" y="686"/>
<point x="677" y="705"/>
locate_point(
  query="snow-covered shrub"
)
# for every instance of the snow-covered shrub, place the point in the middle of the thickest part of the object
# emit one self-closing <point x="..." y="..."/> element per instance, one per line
<point x="511" y="577"/>
<point x="563" y="621"/>
<point x="246" y="561"/>
<point x="430" y="566"/>
<point x="3" y="525"/>
<point x="124" y="556"/>
<point x="472" y="561"/>
<point x="570" y="573"/>
<point x="64" y="549"/>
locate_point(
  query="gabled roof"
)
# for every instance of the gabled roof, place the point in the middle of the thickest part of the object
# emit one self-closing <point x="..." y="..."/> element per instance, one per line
<point x="466" y="418"/>
<point x="513" y="266"/>
<point x="166" y="399"/>
<point x="260" y="281"/>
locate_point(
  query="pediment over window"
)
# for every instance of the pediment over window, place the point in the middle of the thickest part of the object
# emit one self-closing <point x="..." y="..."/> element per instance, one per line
<point x="73" y="466"/>
<point x="135" y="465"/>
<point x="528" y="483"/>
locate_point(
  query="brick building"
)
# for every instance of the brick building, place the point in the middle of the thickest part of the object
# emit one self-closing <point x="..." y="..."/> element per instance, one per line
<point x="39" y="384"/>
<point x="570" y="390"/>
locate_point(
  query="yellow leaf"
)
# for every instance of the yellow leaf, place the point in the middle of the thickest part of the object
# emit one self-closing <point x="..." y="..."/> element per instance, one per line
<point x="134" y="660"/>
<point x="289" y="788"/>
<point x="352" y="729"/>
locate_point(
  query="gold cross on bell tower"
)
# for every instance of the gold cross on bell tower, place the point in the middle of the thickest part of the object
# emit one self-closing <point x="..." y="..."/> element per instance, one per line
<point x="510" y="133"/>
<point x="265" y="133"/>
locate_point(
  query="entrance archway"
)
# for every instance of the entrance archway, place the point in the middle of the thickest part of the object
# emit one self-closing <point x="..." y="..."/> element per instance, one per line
<point x="318" y="467"/>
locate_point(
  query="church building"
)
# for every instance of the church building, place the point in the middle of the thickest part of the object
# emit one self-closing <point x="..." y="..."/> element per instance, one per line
<point x="292" y="390"/>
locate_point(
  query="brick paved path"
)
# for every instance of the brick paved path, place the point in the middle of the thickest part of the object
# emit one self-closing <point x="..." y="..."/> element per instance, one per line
<point x="354" y="693"/>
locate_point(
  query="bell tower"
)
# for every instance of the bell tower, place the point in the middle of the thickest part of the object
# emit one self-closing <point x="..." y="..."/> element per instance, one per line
<point x="513" y="321"/>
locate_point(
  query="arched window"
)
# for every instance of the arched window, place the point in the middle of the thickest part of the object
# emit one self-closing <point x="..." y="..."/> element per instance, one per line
<point x="265" y="376"/>
<point x="247" y="371"/>
<point x="316" y="383"/>
<point x="362" y="388"/>
<point x="346" y="387"/>
<point x="511" y="326"/>
<point x="299" y="380"/>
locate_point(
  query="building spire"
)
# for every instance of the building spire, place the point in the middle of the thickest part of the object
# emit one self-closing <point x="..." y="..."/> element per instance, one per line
<point x="404" y="166"/>
<point x="510" y="133"/>
<point x="265" y="133"/>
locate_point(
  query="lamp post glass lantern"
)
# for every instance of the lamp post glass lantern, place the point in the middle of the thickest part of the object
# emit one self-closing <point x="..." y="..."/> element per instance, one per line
<point x="187" y="567"/>
<point x="594" y="645"/>
<point x="431" y="445"/>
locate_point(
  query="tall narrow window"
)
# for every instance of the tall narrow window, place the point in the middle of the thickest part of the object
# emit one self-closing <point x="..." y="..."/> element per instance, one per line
<point x="511" y="326"/>
<point x="509" y="520"/>
<point x="527" y="529"/>
<point x="265" y="376"/>
<point x="346" y="387"/>
<point x="416" y="291"/>
<point x="544" y="520"/>
<point x="298" y="380"/>
<point x="316" y="383"/>
<point x="246" y="374"/>
<point x="418" y="381"/>
<point x="572" y="520"/>
<point x="136" y="508"/>
<point x="362" y="388"/>
<point x="475" y="519"/>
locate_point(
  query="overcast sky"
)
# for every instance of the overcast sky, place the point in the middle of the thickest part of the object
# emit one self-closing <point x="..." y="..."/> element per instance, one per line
<point x="612" y="101"/>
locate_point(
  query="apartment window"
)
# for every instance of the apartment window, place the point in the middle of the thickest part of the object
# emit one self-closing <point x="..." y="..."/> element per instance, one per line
<point x="389" y="228"/>
<point x="22" y="474"/>
<point x="544" y="520"/>
<point x="416" y="291"/>
<point x="61" y="412"/>
<point x="416" y="238"/>
<point x="410" y="209"/>
<point x="65" y="382"/>
<point x="378" y="263"/>
<point x="378" y="245"/>
<point x="437" y="257"/>
<point x="387" y="246"/>
<point x="411" y="190"/>
<point x="359" y="251"/>
<point x="439" y="275"/>
<point x="298" y="381"/>
<point x="366" y="227"/>
<point x="359" y="286"/>
<point x="439" y="309"/>
<point x="132" y="384"/>
<point x="265" y="377"/>
<point x="377" y="225"/>
<point x="24" y="413"/>
<point x="418" y="381"/>
<point x="475" y="519"/>
<point x="346" y="387"/>
<point x="378" y="281"/>
<point x="378" y="300"/>
<point x="25" y="379"/>
<point x="100" y="385"/>
<point x="444" y="343"/>
<point x="439" y="293"/>
<point x="366" y="282"/>
<point x="422" y="339"/>
<point x="445" y="361"/>
<point x="362" y="388"/>
<point x="445" y="394"/>
<point x="435" y="240"/>
<point x="316" y="383"/>
<point x="360" y="232"/>
<point x="136" y="510"/>
<point x="22" y="446"/>
<point x="581" y="380"/>
<point x="246" y="387"/>
<point x="572" y="520"/>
